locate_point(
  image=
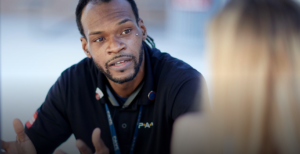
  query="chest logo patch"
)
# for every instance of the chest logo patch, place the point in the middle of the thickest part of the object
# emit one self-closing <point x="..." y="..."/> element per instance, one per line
<point x="145" y="125"/>
<point x="99" y="94"/>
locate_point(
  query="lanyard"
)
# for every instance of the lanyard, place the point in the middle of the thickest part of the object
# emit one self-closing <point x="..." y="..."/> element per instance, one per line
<point x="114" y="134"/>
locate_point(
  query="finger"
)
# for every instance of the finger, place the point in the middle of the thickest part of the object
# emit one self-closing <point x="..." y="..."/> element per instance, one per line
<point x="98" y="143"/>
<point x="58" y="151"/>
<point x="96" y="139"/>
<point x="82" y="147"/>
<point x="19" y="129"/>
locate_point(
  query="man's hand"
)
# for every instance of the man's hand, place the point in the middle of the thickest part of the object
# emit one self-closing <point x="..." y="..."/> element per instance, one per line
<point x="99" y="145"/>
<point x="22" y="145"/>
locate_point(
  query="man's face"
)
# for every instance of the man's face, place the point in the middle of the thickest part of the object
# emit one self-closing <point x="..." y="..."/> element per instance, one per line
<point x="113" y="39"/>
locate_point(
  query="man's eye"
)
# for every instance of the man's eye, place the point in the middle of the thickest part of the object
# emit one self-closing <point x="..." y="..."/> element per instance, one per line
<point x="99" y="39"/>
<point x="127" y="31"/>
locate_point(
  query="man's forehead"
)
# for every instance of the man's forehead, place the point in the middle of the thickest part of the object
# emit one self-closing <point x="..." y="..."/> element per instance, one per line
<point x="115" y="10"/>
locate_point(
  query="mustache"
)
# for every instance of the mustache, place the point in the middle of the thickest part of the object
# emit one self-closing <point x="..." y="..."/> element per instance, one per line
<point x="118" y="56"/>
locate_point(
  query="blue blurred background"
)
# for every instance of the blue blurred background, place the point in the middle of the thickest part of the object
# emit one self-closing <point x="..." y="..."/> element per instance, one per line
<point x="39" y="39"/>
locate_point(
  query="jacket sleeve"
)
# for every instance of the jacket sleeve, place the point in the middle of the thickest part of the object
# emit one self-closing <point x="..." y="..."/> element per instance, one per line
<point x="49" y="126"/>
<point x="187" y="95"/>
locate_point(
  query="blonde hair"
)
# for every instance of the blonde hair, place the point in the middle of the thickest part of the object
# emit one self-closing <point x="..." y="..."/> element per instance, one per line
<point x="255" y="55"/>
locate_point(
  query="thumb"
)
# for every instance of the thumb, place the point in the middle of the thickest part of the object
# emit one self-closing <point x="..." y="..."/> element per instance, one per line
<point x="19" y="129"/>
<point x="98" y="143"/>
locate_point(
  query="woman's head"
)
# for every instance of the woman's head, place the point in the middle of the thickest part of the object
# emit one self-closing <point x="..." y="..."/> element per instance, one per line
<point x="255" y="55"/>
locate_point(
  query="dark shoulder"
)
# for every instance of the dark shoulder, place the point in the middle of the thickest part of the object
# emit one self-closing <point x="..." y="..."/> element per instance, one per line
<point x="168" y="67"/>
<point x="81" y="68"/>
<point x="78" y="72"/>
<point x="69" y="80"/>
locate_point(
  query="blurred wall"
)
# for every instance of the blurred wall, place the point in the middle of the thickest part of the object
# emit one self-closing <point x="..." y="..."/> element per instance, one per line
<point x="152" y="11"/>
<point x="47" y="7"/>
<point x="180" y="16"/>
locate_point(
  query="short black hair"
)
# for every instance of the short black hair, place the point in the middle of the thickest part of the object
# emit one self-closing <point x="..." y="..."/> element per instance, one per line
<point x="82" y="3"/>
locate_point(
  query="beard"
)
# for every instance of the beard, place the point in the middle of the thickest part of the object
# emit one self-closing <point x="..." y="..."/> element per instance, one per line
<point x="137" y="65"/>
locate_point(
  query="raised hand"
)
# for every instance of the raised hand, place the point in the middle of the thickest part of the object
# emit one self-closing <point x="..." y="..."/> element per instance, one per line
<point x="22" y="145"/>
<point x="100" y="147"/>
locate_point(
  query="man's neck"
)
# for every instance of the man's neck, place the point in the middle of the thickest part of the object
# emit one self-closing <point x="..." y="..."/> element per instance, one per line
<point x="127" y="88"/>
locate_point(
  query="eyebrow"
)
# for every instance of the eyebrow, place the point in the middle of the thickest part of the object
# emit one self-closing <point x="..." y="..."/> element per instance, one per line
<point x="124" y="21"/>
<point x="95" y="33"/>
<point x="119" y="23"/>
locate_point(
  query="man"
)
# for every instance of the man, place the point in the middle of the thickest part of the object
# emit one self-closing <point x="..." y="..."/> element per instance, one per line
<point x="132" y="92"/>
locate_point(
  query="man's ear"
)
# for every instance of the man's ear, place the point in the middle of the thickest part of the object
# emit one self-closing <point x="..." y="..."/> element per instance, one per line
<point x="85" y="47"/>
<point x="143" y="29"/>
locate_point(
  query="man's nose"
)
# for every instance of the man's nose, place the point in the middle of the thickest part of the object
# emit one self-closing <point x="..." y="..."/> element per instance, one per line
<point x="115" y="45"/>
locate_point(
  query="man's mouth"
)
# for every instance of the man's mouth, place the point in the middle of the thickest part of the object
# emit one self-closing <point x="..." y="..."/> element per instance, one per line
<point x="119" y="63"/>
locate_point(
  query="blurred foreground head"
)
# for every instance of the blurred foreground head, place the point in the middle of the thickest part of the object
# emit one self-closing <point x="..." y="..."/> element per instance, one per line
<point x="255" y="54"/>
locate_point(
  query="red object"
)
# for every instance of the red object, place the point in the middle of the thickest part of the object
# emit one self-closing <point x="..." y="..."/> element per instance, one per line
<point x="97" y="96"/>
<point x="32" y="120"/>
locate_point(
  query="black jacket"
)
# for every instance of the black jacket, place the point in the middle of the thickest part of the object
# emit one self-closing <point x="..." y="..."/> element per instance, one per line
<point x="71" y="106"/>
